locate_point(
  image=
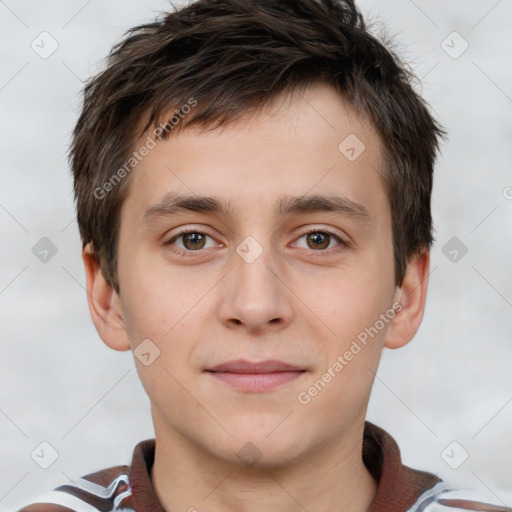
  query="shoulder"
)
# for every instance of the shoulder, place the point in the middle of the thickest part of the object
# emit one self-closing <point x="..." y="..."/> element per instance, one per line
<point x="445" y="498"/>
<point x="108" y="489"/>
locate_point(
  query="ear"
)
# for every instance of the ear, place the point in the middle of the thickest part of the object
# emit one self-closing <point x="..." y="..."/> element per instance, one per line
<point x="104" y="305"/>
<point x="412" y="296"/>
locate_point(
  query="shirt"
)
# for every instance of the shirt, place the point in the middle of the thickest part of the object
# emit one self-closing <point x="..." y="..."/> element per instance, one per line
<point x="129" y="489"/>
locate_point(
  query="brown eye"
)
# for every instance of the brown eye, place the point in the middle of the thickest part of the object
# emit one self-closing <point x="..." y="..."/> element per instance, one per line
<point x="318" y="240"/>
<point x="193" y="241"/>
<point x="189" y="241"/>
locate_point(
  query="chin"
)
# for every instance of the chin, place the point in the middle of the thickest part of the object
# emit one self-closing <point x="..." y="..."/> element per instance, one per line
<point x="265" y="444"/>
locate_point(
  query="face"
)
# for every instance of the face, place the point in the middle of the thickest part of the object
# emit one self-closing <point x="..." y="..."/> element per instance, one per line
<point x="290" y="260"/>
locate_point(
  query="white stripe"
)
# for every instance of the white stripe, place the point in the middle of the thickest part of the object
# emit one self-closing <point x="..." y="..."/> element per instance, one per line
<point x="120" y="498"/>
<point x="100" y="490"/>
<point x="470" y="495"/>
<point x="429" y="493"/>
<point x="66" y="500"/>
<point x="442" y="491"/>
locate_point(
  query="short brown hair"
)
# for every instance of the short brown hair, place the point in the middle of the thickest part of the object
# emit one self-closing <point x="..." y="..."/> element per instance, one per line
<point x="234" y="55"/>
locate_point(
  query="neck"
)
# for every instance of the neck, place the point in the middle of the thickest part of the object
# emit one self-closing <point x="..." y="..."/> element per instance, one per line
<point x="332" y="478"/>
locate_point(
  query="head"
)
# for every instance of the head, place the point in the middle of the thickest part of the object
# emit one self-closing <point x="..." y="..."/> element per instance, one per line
<point x="241" y="103"/>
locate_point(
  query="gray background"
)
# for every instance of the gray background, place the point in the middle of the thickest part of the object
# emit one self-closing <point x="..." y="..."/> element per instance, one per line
<point x="60" y="384"/>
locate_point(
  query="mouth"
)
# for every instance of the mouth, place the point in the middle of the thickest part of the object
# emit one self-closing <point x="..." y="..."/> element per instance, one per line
<point x="256" y="377"/>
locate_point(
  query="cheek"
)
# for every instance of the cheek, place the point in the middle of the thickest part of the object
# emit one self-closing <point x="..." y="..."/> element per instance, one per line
<point x="351" y="300"/>
<point x="154" y="300"/>
<point x="156" y="310"/>
<point x="159" y="306"/>
<point x="351" y="306"/>
<point x="338" y="392"/>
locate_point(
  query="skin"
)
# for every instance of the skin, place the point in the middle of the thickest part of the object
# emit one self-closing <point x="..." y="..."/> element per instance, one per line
<point x="296" y="302"/>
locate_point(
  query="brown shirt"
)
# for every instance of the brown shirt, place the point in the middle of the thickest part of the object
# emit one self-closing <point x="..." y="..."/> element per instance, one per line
<point x="129" y="488"/>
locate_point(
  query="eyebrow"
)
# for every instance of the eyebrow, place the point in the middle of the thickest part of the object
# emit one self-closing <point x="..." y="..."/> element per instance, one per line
<point x="174" y="203"/>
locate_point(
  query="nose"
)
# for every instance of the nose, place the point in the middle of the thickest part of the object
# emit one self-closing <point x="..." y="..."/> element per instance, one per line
<point x="255" y="294"/>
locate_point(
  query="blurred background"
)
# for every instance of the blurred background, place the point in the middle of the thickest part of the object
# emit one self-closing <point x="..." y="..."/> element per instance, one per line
<point x="446" y="397"/>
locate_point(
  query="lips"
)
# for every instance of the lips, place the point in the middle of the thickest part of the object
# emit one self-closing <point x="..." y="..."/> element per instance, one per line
<point x="259" y="376"/>
<point x="243" y="366"/>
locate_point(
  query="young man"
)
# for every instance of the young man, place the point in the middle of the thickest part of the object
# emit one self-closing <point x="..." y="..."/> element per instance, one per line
<point x="253" y="182"/>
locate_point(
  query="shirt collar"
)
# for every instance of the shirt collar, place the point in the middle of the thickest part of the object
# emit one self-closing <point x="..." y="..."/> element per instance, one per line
<point x="398" y="486"/>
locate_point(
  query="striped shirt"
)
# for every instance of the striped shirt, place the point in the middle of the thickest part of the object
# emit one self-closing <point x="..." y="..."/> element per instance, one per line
<point x="400" y="488"/>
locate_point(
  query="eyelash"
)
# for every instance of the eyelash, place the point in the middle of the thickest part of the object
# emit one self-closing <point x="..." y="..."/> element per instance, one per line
<point x="313" y="252"/>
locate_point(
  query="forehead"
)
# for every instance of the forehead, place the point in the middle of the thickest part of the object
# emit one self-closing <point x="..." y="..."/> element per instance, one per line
<point x="309" y="143"/>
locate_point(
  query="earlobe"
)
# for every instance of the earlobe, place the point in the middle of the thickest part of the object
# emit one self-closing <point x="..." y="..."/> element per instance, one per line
<point x="412" y="296"/>
<point x="104" y="304"/>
